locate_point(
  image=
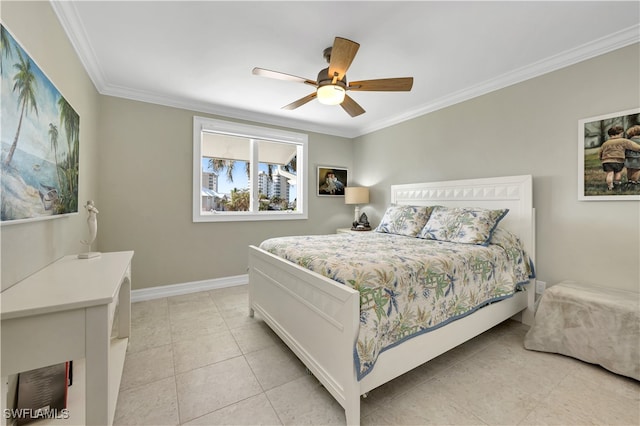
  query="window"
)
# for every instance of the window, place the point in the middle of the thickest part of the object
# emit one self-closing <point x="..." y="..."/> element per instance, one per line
<point x="244" y="172"/>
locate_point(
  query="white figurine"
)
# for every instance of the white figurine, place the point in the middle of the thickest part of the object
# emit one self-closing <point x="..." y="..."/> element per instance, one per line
<point x="92" y="222"/>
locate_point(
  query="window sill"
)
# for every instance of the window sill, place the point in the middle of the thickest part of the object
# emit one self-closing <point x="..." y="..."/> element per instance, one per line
<point x="248" y="216"/>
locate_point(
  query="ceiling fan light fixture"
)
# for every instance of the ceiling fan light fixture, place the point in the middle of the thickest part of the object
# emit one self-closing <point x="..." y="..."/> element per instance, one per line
<point x="331" y="85"/>
<point x="331" y="94"/>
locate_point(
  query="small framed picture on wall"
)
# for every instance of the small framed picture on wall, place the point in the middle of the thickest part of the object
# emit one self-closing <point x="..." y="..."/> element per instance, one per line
<point x="332" y="181"/>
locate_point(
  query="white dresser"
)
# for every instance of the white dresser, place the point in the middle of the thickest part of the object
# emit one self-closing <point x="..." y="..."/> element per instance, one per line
<point x="65" y="312"/>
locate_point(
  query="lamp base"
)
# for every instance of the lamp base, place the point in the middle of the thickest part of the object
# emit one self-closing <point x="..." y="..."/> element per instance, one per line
<point x="89" y="255"/>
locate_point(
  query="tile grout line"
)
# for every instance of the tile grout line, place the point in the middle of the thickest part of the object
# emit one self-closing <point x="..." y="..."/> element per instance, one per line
<point x="243" y="355"/>
<point x="264" y="392"/>
<point x="173" y="358"/>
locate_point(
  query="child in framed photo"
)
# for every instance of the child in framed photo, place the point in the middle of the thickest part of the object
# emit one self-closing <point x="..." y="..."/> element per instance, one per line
<point x="331" y="181"/>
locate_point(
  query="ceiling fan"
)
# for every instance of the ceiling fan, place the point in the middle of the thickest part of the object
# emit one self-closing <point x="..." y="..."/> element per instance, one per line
<point x="331" y="84"/>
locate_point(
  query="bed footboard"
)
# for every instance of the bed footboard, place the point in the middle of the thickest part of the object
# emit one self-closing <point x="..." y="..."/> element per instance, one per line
<point x="316" y="317"/>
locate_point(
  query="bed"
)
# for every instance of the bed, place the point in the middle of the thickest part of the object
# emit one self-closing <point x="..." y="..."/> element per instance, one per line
<point x="319" y="318"/>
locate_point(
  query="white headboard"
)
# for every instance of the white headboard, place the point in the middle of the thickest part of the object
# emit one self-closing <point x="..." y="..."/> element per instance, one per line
<point x="512" y="192"/>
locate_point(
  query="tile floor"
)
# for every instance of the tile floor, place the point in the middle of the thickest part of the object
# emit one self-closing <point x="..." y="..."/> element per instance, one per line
<point x="198" y="359"/>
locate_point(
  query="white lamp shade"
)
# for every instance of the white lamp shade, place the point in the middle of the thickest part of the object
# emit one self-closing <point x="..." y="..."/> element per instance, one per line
<point x="356" y="195"/>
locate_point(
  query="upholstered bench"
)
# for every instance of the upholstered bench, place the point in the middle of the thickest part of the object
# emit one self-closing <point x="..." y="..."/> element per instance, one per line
<point x="593" y="324"/>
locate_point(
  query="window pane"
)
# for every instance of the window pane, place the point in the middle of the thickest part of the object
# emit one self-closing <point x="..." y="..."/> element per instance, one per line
<point x="225" y="185"/>
<point x="277" y="176"/>
<point x="277" y="187"/>
<point x="225" y="173"/>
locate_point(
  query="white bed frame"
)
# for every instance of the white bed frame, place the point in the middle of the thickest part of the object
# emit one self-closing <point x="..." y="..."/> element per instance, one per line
<point x="319" y="318"/>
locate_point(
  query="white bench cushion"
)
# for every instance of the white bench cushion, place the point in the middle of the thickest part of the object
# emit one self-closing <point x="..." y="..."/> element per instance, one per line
<point x="593" y="324"/>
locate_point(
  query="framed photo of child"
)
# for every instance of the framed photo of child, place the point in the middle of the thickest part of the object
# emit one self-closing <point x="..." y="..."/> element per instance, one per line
<point x="609" y="157"/>
<point x="332" y="181"/>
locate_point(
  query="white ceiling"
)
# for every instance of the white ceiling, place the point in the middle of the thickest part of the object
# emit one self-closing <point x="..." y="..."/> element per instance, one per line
<point x="199" y="54"/>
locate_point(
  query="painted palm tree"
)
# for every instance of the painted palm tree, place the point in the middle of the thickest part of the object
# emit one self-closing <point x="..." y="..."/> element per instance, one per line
<point x="5" y="45"/>
<point x="25" y="84"/>
<point x="53" y="138"/>
<point x="70" y="120"/>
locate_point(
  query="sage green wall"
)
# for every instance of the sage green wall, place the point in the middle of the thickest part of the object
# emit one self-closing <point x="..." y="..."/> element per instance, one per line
<point x="28" y="247"/>
<point x="145" y="190"/>
<point x="528" y="128"/>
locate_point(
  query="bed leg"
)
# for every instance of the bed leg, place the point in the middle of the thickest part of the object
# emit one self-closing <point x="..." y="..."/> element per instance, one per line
<point x="251" y="312"/>
<point x="352" y="412"/>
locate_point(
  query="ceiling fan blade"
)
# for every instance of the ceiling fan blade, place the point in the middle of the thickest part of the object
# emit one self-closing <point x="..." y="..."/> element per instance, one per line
<point x="282" y="76"/>
<point x="351" y="106"/>
<point x="403" y="84"/>
<point x="342" y="54"/>
<point x="300" y="102"/>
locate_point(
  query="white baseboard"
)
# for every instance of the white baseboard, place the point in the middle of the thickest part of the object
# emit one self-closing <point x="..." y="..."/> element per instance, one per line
<point x="186" y="288"/>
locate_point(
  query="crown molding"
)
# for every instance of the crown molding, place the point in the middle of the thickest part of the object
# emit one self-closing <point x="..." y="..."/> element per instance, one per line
<point x="224" y="111"/>
<point x="620" y="39"/>
<point x="72" y="25"/>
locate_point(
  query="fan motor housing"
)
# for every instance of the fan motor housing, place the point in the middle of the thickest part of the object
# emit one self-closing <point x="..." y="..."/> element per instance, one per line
<point x="324" y="79"/>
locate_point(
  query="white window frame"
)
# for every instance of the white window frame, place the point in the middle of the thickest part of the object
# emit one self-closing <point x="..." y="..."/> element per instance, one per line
<point x="253" y="132"/>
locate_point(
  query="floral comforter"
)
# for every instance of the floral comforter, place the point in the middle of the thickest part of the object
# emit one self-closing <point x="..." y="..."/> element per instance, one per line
<point x="409" y="286"/>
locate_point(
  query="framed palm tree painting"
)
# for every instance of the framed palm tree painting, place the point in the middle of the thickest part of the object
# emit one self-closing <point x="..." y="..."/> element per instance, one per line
<point x="39" y="139"/>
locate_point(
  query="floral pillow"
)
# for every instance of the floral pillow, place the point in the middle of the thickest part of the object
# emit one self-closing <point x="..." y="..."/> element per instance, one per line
<point x="404" y="220"/>
<point x="462" y="224"/>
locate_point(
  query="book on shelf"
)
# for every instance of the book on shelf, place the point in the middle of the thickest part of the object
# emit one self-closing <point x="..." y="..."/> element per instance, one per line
<point x="42" y="393"/>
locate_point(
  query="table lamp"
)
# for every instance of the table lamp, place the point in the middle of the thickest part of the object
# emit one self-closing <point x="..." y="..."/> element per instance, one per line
<point x="356" y="195"/>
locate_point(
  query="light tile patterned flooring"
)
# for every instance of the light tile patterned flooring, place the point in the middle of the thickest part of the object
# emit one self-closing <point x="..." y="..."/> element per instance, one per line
<point x="198" y="359"/>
